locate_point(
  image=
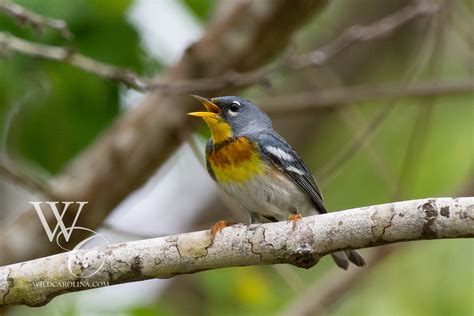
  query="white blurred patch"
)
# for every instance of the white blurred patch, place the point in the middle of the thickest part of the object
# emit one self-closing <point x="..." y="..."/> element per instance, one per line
<point x="166" y="27"/>
<point x="168" y="202"/>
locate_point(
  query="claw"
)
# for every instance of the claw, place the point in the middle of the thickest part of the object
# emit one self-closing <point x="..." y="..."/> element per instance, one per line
<point x="294" y="218"/>
<point x="217" y="227"/>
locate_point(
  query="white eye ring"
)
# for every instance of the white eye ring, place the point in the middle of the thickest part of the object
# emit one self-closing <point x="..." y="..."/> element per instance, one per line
<point x="234" y="113"/>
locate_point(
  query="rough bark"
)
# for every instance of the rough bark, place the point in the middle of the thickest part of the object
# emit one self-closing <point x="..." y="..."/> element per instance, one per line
<point x="301" y="245"/>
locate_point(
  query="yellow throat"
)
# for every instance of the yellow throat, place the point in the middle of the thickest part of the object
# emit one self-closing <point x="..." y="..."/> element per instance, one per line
<point x="220" y="129"/>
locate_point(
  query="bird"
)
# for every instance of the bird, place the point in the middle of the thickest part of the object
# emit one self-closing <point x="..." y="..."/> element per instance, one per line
<point x="258" y="169"/>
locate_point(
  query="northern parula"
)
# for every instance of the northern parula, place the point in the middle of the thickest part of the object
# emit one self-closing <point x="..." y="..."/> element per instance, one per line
<point x="258" y="169"/>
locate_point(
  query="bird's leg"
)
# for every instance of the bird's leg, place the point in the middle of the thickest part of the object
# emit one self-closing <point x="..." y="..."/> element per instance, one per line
<point x="256" y="218"/>
<point x="217" y="227"/>
<point x="295" y="217"/>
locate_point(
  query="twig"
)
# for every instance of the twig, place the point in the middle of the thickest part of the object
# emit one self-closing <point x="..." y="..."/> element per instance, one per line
<point x="329" y="172"/>
<point x="461" y="19"/>
<point x="353" y="118"/>
<point x="318" y="57"/>
<point x="33" y="19"/>
<point x="421" y="125"/>
<point x="127" y="77"/>
<point x="10" y="172"/>
<point x="330" y="99"/>
<point x="9" y="119"/>
<point x="332" y="168"/>
<point x="301" y="245"/>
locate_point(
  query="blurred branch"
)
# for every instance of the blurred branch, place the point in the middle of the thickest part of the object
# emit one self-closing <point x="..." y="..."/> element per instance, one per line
<point x="354" y="119"/>
<point x="322" y="294"/>
<point x="422" y="124"/>
<point x="360" y="33"/>
<point x="11" y="43"/>
<point x="138" y="142"/>
<point x="301" y="245"/>
<point x="329" y="99"/>
<point x="10" y="116"/>
<point x="361" y="139"/>
<point x="24" y="16"/>
<point x="318" y="57"/>
<point x="230" y="78"/>
<point x="462" y="19"/>
<point x="301" y="102"/>
<point x="12" y="173"/>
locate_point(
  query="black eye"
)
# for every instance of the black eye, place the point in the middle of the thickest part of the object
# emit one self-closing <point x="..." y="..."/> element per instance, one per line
<point x="234" y="106"/>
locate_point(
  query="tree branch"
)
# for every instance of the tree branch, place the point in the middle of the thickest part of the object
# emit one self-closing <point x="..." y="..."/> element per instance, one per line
<point x="301" y="245"/>
<point x="230" y="78"/>
<point x="352" y="35"/>
<point x="33" y="19"/>
<point x="127" y="77"/>
<point x="10" y="172"/>
<point x="329" y="99"/>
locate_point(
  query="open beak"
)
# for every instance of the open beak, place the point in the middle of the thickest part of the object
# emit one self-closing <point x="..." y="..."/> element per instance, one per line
<point x="212" y="108"/>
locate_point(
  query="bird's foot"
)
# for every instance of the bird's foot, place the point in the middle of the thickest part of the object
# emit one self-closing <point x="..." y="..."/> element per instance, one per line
<point x="294" y="218"/>
<point x="217" y="227"/>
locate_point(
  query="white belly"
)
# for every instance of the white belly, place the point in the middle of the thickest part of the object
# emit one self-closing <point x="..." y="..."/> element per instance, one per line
<point x="271" y="194"/>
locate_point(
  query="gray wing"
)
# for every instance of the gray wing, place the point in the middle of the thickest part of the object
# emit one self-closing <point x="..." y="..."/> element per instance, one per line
<point x="285" y="158"/>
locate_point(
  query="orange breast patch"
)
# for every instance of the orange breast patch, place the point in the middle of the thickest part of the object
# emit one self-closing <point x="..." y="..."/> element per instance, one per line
<point x="238" y="160"/>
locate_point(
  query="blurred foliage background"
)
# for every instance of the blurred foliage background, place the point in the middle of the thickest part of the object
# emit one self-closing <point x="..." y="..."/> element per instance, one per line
<point x="61" y="109"/>
<point x="50" y="111"/>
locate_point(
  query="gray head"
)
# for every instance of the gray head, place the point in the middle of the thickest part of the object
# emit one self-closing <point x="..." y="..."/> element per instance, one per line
<point x="240" y="114"/>
<point x="243" y="116"/>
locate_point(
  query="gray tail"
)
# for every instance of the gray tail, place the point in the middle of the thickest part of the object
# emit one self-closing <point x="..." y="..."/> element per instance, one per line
<point x="342" y="259"/>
